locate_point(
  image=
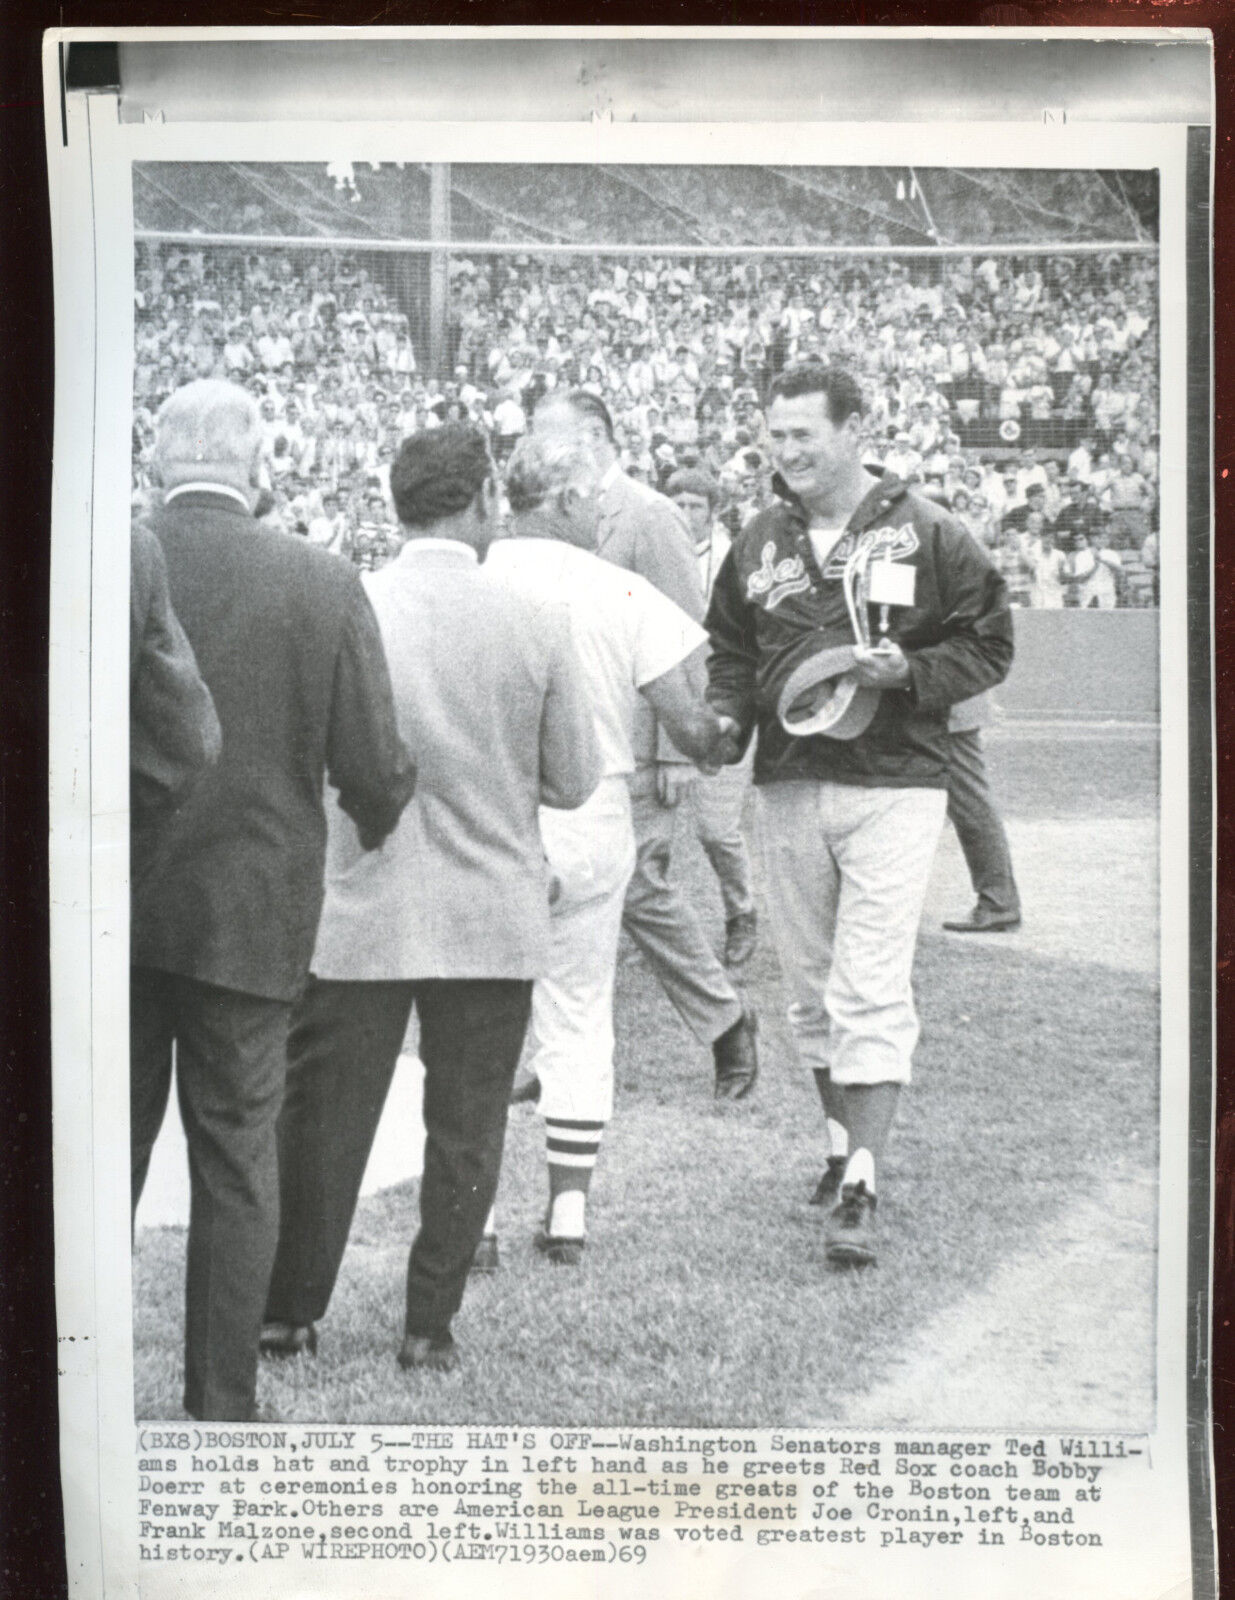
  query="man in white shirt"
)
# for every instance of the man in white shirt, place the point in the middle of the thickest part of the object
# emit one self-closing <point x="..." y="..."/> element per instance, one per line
<point x="1091" y="573"/>
<point x="1080" y="461"/>
<point x="510" y="421"/>
<point x="632" y="641"/>
<point x="1047" y="563"/>
<point x="902" y="459"/>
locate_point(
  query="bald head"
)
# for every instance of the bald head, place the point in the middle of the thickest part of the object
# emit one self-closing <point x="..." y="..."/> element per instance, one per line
<point x="208" y="432"/>
<point x="578" y="414"/>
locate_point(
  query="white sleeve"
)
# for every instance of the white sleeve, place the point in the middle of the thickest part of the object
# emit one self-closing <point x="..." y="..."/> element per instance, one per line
<point x="661" y="633"/>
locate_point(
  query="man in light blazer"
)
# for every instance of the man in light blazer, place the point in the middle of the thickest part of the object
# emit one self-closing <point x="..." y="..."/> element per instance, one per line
<point x="641" y="531"/>
<point x="452" y="915"/>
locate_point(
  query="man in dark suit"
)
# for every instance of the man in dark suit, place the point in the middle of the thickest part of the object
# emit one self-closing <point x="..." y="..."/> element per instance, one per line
<point x="226" y="907"/>
<point x="641" y="531"/>
<point x="173" y="730"/>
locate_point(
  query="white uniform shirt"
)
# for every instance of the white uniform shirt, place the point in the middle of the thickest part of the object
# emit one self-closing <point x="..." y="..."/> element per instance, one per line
<point x="627" y="634"/>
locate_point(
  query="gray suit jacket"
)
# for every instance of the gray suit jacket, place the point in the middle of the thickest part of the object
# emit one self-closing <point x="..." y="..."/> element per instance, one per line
<point x="642" y="531"/>
<point x="489" y="694"/>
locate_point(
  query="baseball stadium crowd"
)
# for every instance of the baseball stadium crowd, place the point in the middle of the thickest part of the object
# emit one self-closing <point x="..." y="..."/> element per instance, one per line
<point x="1020" y="392"/>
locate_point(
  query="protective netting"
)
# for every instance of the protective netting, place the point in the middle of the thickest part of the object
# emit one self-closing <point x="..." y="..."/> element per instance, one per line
<point x="615" y="205"/>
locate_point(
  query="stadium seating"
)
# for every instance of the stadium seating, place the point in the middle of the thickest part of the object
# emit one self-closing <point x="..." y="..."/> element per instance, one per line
<point x="968" y="360"/>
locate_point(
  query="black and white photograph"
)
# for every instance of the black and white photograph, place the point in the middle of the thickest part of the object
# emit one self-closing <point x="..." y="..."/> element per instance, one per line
<point x="682" y="1224"/>
<point x="663" y="672"/>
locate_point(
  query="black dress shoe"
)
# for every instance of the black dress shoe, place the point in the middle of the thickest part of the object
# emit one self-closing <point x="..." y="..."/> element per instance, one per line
<point x="436" y="1352"/>
<point x="736" y="1058"/>
<point x="827" y="1192"/>
<point x="486" y="1260"/>
<point x="741" y="933"/>
<point x="283" y="1339"/>
<point x="526" y="1091"/>
<point x="980" y="920"/>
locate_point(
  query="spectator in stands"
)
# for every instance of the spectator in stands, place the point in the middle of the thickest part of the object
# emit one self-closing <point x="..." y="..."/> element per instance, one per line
<point x="1091" y="573"/>
<point x="1080" y="461"/>
<point x="1012" y="561"/>
<point x="1046" y="564"/>
<point x="1033" y="506"/>
<point x="1128" y="498"/>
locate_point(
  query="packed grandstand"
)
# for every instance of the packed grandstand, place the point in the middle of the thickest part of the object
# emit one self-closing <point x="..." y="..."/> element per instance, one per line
<point x="1016" y="381"/>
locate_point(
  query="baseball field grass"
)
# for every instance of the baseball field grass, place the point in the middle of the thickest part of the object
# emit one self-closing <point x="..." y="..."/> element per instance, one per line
<point x="704" y="1297"/>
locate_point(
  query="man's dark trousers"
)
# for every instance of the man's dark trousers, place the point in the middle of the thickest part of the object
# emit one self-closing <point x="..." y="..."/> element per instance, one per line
<point x="979" y="827"/>
<point x="231" y="1052"/>
<point x="345" y="1041"/>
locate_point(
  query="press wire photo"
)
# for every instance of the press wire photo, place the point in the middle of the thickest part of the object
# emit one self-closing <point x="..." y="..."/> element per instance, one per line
<point x="1000" y="434"/>
<point x="643" y="924"/>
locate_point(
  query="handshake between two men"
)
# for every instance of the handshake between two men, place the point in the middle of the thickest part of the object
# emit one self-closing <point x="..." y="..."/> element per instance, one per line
<point x="712" y="740"/>
<point x="708" y="738"/>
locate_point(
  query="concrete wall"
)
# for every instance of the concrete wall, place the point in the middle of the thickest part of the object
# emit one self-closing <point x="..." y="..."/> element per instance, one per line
<point x="1091" y="665"/>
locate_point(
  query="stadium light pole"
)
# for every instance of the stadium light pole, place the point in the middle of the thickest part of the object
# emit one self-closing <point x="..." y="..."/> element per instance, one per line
<point x="439" y="262"/>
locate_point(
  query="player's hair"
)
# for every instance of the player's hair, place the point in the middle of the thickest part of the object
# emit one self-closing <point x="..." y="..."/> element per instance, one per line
<point x="544" y="464"/>
<point x="588" y="407"/>
<point x="439" y="472"/>
<point x="207" y="422"/>
<point x="688" y="481"/>
<point x="839" y="387"/>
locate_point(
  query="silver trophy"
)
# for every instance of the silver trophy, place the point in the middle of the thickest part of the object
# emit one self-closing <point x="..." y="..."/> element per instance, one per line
<point x="821" y="695"/>
<point x="875" y="544"/>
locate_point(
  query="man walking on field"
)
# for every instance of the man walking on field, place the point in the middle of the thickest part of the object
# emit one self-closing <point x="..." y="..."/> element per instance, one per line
<point x="635" y="647"/>
<point x="641" y="532"/>
<point x="850" y="817"/>
<point x="227" y="889"/>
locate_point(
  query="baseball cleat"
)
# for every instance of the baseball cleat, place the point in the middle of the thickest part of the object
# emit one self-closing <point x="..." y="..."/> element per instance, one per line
<point x="563" y="1250"/>
<point x="851" y="1227"/>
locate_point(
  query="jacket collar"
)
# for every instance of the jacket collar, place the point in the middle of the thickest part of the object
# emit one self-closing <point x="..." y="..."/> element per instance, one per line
<point x="452" y="551"/>
<point x="208" y="496"/>
<point x="884" y="492"/>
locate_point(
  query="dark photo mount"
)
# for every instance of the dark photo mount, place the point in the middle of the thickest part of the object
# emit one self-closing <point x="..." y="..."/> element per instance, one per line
<point x="31" y="1545"/>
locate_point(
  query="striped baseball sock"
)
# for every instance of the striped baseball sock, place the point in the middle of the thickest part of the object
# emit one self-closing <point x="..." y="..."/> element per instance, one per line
<point x="571" y="1148"/>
